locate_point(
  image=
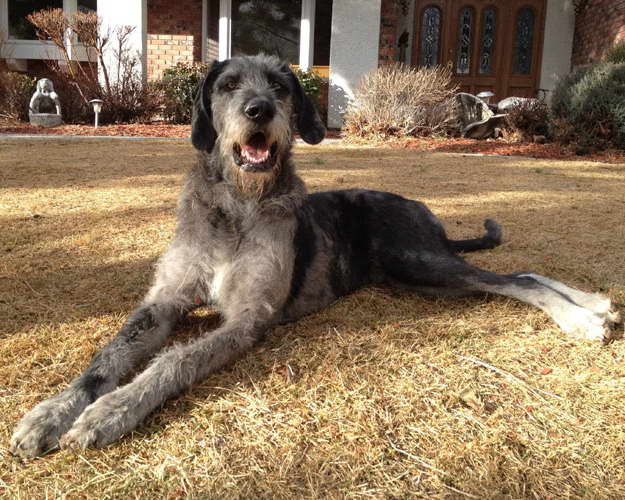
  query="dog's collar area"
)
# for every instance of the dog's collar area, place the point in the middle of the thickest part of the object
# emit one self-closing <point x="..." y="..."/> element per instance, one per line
<point x="256" y="154"/>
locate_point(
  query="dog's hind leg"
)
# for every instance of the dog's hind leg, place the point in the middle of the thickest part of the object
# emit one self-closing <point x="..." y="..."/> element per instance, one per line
<point x="577" y="313"/>
<point x="143" y="334"/>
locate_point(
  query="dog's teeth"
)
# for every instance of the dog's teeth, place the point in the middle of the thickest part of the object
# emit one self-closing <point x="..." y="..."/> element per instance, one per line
<point x="252" y="159"/>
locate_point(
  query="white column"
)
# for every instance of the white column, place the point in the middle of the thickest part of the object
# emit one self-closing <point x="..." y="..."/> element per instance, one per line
<point x="204" y="29"/>
<point x="4" y="20"/>
<point x="116" y="13"/>
<point x="557" y="43"/>
<point x="307" y="35"/>
<point x="225" y="24"/>
<point x="353" y="51"/>
<point x="70" y="7"/>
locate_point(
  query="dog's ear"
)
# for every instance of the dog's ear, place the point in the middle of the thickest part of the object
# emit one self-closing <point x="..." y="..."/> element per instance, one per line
<point x="309" y="125"/>
<point x="203" y="134"/>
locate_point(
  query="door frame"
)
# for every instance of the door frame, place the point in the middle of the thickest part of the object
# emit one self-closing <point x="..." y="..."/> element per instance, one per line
<point x="502" y="82"/>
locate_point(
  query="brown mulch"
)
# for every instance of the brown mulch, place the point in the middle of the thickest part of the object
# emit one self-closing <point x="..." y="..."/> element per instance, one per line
<point x="125" y="130"/>
<point x="157" y="129"/>
<point x="550" y="151"/>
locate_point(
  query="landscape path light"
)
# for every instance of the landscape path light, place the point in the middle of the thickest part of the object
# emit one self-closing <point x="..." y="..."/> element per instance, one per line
<point x="97" y="107"/>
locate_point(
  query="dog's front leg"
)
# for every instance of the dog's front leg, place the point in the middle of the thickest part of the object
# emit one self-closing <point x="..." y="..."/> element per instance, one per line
<point x="120" y="411"/>
<point x="252" y="295"/>
<point x="143" y="333"/>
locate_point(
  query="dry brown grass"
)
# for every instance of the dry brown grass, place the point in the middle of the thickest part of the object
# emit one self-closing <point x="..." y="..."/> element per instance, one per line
<point x="388" y="396"/>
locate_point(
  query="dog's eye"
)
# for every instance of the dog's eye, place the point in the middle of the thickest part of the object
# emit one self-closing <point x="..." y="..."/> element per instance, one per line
<point x="232" y="85"/>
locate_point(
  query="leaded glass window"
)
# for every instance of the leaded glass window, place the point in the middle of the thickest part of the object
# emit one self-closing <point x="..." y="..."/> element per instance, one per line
<point x="463" y="61"/>
<point x="430" y="37"/>
<point x="522" y="62"/>
<point x="487" y="46"/>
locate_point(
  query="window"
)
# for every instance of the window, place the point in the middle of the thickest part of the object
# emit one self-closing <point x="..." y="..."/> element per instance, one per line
<point x="465" y="35"/>
<point x="429" y="44"/>
<point x="487" y="44"/>
<point x="266" y="26"/>
<point x="523" y="43"/>
<point x="19" y="27"/>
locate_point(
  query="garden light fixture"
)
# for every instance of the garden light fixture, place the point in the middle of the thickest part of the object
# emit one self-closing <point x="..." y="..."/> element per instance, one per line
<point x="97" y="107"/>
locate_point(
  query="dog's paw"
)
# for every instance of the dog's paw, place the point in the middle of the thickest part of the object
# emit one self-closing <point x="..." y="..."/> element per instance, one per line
<point x="595" y="324"/>
<point x="102" y="423"/>
<point x="39" y="430"/>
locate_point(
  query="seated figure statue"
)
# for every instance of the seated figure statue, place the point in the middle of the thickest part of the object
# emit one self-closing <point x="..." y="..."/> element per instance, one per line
<point x="43" y="100"/>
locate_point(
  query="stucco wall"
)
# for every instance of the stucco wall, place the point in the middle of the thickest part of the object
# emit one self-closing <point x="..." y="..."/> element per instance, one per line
<point x="558" y="42"/>
<point x="353" y="51"/>
<point x="115" y="13"/>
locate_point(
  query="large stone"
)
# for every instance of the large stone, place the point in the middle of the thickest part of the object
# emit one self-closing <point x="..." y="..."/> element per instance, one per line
<point x="505" y="105"/>
<point x="477" y="121"/>
<point x="47" y="120"/>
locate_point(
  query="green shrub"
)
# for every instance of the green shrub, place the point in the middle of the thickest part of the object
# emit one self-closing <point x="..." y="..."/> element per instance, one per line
<point x="616" y="53"/>
<point x="311" y="82"/>
<point x="589" y="105"/>
<point x="15" y="93"/>
<point x="178" y="87"/>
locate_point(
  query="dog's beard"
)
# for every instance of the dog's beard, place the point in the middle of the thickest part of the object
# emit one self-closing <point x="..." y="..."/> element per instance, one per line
<point x="255" y="184"/>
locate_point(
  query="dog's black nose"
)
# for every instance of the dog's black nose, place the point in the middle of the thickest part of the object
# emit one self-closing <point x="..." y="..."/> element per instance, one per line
<point x="259" y="110"/>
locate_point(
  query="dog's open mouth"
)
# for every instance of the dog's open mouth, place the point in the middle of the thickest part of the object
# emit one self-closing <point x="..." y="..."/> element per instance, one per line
<point x="256" y="154"/>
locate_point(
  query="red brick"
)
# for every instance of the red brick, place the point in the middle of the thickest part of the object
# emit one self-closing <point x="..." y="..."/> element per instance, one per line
<point x="597" y="27"/>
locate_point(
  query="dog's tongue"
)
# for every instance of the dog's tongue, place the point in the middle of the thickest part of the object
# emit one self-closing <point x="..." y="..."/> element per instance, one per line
<point x="257" y="149"/>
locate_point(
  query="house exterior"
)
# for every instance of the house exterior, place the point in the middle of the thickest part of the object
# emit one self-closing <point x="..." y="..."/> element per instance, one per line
<point x="510" y="47"/>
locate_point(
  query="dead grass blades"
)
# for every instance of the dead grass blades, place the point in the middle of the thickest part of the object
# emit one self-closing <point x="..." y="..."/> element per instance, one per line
<point x="384" y="394"/>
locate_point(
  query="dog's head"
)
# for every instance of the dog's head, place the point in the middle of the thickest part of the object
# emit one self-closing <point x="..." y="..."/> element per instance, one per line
<point x="245" y="107"/>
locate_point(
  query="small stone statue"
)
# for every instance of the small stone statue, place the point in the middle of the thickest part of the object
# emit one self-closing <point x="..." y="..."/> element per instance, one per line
<point x="45" y="99"/>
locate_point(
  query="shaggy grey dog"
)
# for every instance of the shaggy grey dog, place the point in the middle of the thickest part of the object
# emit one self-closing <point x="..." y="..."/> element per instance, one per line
<point x="252" y="244"/>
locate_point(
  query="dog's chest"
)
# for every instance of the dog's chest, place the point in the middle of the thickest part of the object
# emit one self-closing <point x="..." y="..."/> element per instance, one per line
<point x="226" y="236"/>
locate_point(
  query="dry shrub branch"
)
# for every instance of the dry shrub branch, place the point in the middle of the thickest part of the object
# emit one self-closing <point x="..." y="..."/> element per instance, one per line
<point x="107" y="52"/>
<point x="400" y="101"/>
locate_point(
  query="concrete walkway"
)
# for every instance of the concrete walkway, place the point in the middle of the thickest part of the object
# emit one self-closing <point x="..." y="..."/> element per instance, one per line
<point x="121" y="137"/>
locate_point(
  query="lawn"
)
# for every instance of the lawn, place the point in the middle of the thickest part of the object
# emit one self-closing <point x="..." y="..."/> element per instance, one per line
<point x="384" y="394"/>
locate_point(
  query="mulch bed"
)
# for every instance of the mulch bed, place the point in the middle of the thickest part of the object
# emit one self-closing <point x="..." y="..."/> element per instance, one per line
<point x="550" y="151"/>
<point x="466" y="146"/>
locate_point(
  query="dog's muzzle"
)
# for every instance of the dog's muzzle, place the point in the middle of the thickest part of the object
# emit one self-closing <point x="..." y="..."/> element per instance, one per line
<point x="256" y="154"/>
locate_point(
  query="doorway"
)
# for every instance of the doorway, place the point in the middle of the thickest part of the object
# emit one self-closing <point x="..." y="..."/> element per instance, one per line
<point x="488" y="45"/>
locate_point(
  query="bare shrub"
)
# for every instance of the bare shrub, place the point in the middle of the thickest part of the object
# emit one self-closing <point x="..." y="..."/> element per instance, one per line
<point x="15" y="93"/>
<point x="400" y="101"/>
<point x="528" y="120"/>
<point x="125" y="96"/>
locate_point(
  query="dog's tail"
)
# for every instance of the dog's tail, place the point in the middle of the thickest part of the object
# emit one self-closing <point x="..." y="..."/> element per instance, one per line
<point x="491" y="239"/>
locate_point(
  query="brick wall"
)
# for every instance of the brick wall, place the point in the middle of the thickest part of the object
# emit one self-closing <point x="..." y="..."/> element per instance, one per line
<point x="389" y="17"/>
<point x="174" y="34"/>
<point x="597" y="27"/>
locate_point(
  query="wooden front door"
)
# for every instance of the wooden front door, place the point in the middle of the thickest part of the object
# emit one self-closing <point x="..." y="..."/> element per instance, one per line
<point x="491" y="45"/>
